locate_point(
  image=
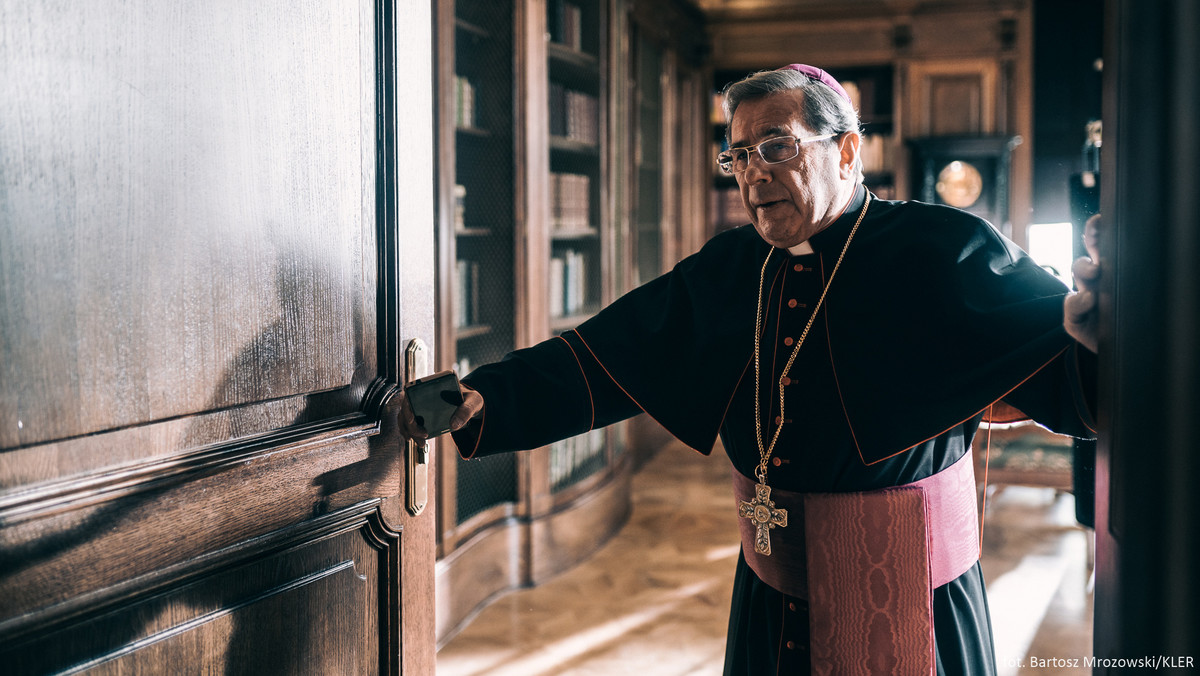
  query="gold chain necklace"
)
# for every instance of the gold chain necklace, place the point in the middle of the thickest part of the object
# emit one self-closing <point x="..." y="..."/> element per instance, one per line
<point x="762" y="511"/>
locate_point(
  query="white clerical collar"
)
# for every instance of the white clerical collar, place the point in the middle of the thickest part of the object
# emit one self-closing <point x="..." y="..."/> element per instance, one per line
<point x="801" y="249"/>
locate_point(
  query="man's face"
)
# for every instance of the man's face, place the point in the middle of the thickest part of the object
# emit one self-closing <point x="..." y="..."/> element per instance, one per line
<point x="793" y="200"/>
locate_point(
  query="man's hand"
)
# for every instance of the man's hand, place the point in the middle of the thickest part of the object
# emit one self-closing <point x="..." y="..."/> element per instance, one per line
<point x="472" y="406"/>
<point x="1079" y="309"/>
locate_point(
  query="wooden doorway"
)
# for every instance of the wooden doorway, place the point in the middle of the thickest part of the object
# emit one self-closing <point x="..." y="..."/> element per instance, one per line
<point x="211" y="261"/>
<point x="1148" y="547"/>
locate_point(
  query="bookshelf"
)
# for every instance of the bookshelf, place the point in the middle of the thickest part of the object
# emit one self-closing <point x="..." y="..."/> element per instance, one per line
<point x="647" y="141"/>
<point x="539" y="225"/>
<point x="575" y="56"/>
<point x="576" y="62"/>
<point x="478" y="224"/>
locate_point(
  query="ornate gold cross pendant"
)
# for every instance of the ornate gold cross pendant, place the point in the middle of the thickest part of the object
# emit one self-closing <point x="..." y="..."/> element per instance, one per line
<point x="762" y="513"/>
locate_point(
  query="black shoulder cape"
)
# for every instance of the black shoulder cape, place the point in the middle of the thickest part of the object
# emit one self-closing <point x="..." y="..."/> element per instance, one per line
<point x="932" y="317"/>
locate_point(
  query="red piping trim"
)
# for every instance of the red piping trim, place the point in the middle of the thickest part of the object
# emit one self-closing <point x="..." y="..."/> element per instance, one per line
<point x="733" y="393"/>
<point x="478" y="437"/>
<point x="610" y="377"/>
<point x="987" y="459"/>
<point x="838" y="385"/>
<point x="591" y="400"/>
<point x="1081" y="408"/>
<point x="782" y="631"/>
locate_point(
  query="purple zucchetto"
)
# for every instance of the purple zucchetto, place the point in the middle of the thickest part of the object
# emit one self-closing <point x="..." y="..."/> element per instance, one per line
<point x="821" y="76"/>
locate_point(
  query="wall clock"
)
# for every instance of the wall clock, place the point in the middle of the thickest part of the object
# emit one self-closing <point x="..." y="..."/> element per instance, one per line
<point x="967" y="172"/>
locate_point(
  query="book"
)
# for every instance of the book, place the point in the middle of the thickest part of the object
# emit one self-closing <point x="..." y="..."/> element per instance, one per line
<point x="460" y="202"/>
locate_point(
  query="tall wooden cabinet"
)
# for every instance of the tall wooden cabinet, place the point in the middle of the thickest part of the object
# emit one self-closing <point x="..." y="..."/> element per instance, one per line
<point x="558" y="190"/>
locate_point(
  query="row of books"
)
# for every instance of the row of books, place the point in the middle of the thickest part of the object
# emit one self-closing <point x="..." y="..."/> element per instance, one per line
<point x="727" y="209"/>
<point x="570" y="201"/>
<point x="565" y="23"/>
<point x="876" y="154"/>
<point x="463" y="366"/>
<point x="574" y="114"/>
<point x="466" y="293"/>
<point x="569" y="455"/>
<point x="568" y="283"/>
<point x="460" y="206"/>
<point x="464" y="102"/>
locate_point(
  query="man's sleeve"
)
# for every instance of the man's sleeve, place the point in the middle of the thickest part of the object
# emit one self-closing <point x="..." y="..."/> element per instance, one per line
<point x="1062" y="395"/>
<point x="539" y="395"/>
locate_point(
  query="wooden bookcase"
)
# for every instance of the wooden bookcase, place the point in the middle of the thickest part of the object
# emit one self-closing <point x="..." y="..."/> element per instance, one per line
<point x="477" y="222"/>
<point x="527" y="241"/>
<point x="566" y="177"/>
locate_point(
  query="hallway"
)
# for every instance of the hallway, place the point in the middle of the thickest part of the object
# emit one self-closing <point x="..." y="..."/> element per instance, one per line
<point x="654" y="600"/>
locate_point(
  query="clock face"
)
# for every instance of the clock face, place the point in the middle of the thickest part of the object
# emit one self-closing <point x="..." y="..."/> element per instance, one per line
<point x="959" y="184"/>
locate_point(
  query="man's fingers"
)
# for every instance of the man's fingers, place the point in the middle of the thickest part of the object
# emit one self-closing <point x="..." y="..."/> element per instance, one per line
<point x="1091" y="237"/>
<point x="471" y="407"/>
<point x="1078" y="305"/>
<point x="408" y="421"/>
<point x="1085" y="270"/>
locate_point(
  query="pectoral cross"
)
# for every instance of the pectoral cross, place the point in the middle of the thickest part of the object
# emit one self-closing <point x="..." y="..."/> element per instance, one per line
<point x="762" y="513"/>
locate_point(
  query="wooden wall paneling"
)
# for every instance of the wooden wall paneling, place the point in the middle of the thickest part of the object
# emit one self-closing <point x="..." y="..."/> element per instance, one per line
<point x="479" y="570"/>
<point x="1018" y="101"/>
<point x="770" y="43"/>
<point x="695" y="172"/>
<point x="900" y="84"/>
<point x="670" y="224"/>
<point x="951" y="98"/>
<point x="555" y="542"/>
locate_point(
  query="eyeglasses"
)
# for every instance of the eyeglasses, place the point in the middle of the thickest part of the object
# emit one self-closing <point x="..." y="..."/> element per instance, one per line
<point x="772" y="151"/>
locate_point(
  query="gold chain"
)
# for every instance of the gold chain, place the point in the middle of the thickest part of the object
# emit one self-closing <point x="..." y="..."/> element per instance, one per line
<point x="765" y="455"/>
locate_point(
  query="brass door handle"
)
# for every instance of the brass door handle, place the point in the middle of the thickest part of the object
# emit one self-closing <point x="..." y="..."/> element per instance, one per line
<point x="416" y="455"/>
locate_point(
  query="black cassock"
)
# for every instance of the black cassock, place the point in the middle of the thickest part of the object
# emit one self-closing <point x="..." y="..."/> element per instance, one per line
<point x="932" y="318"/>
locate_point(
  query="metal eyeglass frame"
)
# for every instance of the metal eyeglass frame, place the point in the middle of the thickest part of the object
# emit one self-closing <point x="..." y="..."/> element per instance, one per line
<point x="725" y="159"/>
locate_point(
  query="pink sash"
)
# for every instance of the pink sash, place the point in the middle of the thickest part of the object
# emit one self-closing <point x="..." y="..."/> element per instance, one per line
<point x="867" y="563"/>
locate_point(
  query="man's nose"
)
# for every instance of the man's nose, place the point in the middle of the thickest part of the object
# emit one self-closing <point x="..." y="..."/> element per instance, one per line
<point x="757" y="168"/>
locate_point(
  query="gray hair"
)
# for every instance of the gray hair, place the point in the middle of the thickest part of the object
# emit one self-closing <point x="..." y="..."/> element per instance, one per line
<point x="823" y="110"/>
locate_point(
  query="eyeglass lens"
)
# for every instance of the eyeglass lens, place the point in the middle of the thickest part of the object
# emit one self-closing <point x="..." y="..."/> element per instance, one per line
<point x="772" y="151"/>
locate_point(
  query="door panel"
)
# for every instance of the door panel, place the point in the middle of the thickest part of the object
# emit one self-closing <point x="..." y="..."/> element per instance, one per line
<point x="184" y="242"/>
<point x="209" y="262"/>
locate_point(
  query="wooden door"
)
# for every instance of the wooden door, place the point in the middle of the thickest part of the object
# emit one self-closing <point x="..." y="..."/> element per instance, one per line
<point x="211" y="262"/>
<point x="1147" y="543"/>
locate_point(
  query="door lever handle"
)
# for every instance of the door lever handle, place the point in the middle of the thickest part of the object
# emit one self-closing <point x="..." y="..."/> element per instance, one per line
<point x="416" y="455"/>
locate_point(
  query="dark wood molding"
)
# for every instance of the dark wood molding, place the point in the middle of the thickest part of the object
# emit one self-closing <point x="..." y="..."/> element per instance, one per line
<point x="1147" y="544"/>
<point x="486" y="566"/>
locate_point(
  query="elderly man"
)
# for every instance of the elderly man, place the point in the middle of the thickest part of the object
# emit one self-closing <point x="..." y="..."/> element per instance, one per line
<point x="845" y="349"/>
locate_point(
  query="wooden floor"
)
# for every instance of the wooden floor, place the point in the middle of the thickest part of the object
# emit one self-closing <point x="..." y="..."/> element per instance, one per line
<point x="655" y="599"/>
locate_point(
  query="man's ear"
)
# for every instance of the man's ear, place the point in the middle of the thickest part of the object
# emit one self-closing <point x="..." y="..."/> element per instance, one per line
<point x="848" y="147"/>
